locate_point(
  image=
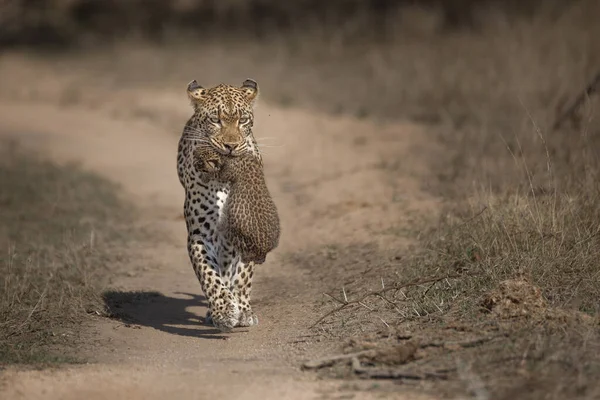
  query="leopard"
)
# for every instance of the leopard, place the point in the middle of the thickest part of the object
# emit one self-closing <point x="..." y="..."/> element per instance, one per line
<point x="223" y="118"/>
<point x="250" y="220"/>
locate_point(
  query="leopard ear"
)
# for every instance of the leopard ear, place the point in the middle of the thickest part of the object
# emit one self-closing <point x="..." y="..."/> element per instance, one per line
<point x="195" y="92"/>
<point x="251" y="89"/>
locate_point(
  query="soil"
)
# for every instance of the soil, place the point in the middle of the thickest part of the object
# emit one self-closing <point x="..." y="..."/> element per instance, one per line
<point x="331" y="181"/>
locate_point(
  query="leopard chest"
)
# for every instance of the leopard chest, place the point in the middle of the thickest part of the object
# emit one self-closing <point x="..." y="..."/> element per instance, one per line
<point x="204" y="199"/>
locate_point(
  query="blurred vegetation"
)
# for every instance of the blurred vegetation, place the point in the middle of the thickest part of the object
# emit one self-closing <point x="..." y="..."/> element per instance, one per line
<point x="68" y="22"/>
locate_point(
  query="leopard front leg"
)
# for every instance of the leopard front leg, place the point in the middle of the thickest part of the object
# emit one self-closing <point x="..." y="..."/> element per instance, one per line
<point x="223" y="309"/>
<point x="241" y="287"/>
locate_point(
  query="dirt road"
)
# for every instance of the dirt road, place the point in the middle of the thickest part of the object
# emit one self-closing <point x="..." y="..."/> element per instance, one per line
<point x="327" y="179"/>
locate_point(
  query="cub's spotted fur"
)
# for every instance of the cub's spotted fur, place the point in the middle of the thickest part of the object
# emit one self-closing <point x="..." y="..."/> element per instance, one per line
<point x="250" y="221"/>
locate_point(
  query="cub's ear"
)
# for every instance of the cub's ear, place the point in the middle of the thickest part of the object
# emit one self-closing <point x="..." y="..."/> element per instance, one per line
<point x="195" y="92"/>
<point x="251" y="89"/>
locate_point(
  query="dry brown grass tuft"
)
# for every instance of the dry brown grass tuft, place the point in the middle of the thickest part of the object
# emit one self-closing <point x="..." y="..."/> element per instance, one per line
<point x="506" y="301"/>
<point x="58" y="227"/>
<point x="554" y="241"/>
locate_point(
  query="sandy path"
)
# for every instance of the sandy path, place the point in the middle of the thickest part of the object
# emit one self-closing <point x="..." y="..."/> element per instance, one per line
<point x="327" y="181"/>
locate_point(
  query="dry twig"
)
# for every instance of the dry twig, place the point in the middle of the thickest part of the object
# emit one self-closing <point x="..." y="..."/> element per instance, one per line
<point x="373" y="353"/>
<point x="329" y="361"/>
<point x="463" y="343"/>
<point x="381" y="294"/>
<point x="392" y="373"/>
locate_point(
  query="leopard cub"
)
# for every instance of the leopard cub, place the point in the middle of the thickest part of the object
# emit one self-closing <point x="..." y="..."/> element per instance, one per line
<point x="250" y="221"/>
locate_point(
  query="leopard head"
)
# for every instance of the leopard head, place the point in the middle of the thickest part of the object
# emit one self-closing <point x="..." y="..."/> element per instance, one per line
<point x="223" y="116"/>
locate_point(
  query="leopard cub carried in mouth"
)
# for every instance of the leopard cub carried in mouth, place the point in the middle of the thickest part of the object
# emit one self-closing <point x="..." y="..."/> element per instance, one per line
<point x="250" y="221"/>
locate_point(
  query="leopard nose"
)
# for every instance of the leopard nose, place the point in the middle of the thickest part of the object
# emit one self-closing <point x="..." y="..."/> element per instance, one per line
<point x="229" y="147"/>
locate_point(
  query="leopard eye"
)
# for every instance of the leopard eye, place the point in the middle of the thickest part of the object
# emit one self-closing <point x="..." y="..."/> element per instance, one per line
<point x="244" y="120"/>
<point x="214" y="120"/>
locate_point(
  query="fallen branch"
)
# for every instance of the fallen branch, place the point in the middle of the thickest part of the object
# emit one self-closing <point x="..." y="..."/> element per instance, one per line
<point x="373" y="354"/>
<point x="381" y="294"/>
<point x="462" y="343"/>
<point x="390" y="373"/>
<point x="569" y="113"/>
<point x="388" y="355"/>
<point x="329" y="361"/>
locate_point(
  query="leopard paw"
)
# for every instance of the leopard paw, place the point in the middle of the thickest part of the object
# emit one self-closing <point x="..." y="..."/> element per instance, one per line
<point x="247" y="318"/>
<point x="223" y="322"/>
<point x="226" y="318"/>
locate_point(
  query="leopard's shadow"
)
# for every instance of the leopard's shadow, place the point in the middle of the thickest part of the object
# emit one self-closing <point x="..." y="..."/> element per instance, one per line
<point x="153" y="309"/>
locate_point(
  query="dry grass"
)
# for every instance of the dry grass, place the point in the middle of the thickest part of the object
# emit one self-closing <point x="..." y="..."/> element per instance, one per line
<point x="521" y="268"/>
<point x="57" y="231"/>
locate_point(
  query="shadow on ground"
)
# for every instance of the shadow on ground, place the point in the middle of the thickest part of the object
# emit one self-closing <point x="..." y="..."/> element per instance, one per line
<point x="155" y="310"/>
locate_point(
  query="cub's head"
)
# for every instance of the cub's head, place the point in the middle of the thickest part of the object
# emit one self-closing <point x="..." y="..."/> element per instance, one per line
<point x="223" y="116"/>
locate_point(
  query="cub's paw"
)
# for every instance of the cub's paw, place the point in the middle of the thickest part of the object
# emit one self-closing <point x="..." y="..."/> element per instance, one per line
<point x="208" y="166"/>
<point x="247" y="318"/>
<point x="207" y="161"/>
<point x="212" y="164"/>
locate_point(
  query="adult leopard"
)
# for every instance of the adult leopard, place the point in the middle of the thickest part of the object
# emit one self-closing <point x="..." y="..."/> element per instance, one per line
<point x="223" y="118"/>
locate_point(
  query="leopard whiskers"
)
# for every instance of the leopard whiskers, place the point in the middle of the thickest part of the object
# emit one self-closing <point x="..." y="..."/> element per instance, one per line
<point x="186" y="136"/>
<point x="260" y="142"/>
<point x="263" y="139"/>
<point x="201" y="146"/>
<point x="263" y="145"/>
<point x="197" y="140"/>
<point x="192" y="131"/>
